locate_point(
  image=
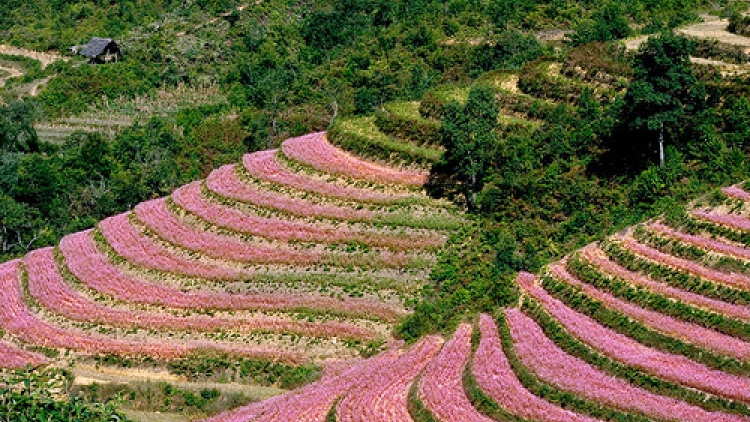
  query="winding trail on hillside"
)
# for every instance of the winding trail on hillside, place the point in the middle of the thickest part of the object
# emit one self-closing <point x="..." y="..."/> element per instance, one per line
<point x="45" y="58"/>
<point x="11" y="73"/>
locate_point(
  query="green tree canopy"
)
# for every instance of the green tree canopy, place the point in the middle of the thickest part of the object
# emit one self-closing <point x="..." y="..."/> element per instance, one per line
<point x="664" y="96"/>
<point x="467" y="133"/>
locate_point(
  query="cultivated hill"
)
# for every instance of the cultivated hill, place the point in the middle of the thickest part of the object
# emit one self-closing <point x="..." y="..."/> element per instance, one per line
<point x="295" y="256"/>
<point x="651" y="324"/>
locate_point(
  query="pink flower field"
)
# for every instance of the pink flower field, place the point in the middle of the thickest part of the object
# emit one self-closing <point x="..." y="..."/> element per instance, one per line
<point x="676" y="368"/>
<point x="315" y="151"/>
<point x="496" y="378"/>
<point x="309" y="255"/>
<point x="225" y="182"/>
<point x="554" y="366"/>
<point x="440" y="387"/>
<point x="596" y="256"/>
<point x="189" y="198"/>
<point x="264" y="165"/>
<point x="691" y="333"/>
<point x="733" y="279"/>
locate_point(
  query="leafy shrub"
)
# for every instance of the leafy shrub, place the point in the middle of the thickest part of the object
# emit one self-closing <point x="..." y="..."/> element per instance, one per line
<point x="739" y="24"/>
<point x="28" y="396"/>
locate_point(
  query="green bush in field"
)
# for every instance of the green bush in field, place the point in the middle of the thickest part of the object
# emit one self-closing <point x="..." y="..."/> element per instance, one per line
<point x="39" y="396"/>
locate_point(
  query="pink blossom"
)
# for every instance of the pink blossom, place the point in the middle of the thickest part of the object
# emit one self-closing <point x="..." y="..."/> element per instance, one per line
<point x="264" y="165"/>
<point x="225" y="182"/>
<point x="496" y="378"/>
<point x="703" y="242"/>
<point x="312" y="402"/>
<point x="157" y="217"/>
<point x="95" y="270"/>
<point x="675" y="368"/>
<point x="189" y="197"/>
<point x="385" y="397"/>
<point x="736" y="192"/>
<point x="50" y="290"/>
<point x="441" y="387"/>
<point x="18" y="320"/>
<point x="597" y="257"/>
<point x="691" y="333"/>
<point x="554" y="366"/>
<point x="733" y="221"/>
<point x="732" y="279"/>
<point x="140" y="249"/>
<point x="11" y="357"/>
<point x="315" y="151"/>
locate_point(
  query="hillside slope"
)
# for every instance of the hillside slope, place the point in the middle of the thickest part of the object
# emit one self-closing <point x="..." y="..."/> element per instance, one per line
<point x="650" y="325"/>
<point x="295" y="257"/>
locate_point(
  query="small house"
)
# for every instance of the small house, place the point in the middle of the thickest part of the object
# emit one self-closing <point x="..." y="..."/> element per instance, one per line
<point x="101" y="50"/>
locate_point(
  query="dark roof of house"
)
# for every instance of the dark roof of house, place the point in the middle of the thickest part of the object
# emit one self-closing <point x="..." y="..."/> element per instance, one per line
<point x="95" y="47"/>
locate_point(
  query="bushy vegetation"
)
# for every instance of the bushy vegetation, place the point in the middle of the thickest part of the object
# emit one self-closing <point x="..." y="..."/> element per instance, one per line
<point x="49" y="190"/>
<point x="739" y="24"/>
<point x="27" y="395"/>
<point x="588" y="170"/>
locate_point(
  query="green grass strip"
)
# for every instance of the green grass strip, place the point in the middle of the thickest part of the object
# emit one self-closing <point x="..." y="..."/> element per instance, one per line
<point x="362" y="137"/>
<point x="579" y="301"/>
<point x="673" y="277"/>
<point x="416" y="407"/>
<point x="571" y="345"/>
<point x="401" y="119"/>
<point x="647" y="299"/>
<point x="664" y="243"/>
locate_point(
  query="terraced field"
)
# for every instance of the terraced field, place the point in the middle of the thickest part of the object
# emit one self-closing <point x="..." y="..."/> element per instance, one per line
<point x="298" y="256"/>
<point x="651" y="324"/>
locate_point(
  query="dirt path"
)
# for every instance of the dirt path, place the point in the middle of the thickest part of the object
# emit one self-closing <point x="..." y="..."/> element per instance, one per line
<point x="34" y="87"/>
<point x="12" y="73"/>
<point x="711" y="28"/>
<point x="715" y="28"/>
<point x="44" y="58"/>
<point x="89" y="374"/>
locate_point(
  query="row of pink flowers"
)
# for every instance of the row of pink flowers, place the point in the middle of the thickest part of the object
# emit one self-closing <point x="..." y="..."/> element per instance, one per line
<point x="12" y="357"/>
<point x="692" y="333"/>
<point x="264" y="165"/>
<point x="50" y="290"/>
<point x="95" y="270"/>
<point x="597" y="257"/>
<point x="18" y="320"/>
<point x="735" y="191"/>
<point x="165" y="224"/>
<point x="315" y="151"/>
<point x="138" y="248"/>
<point x="158" y="218"/>
<point x="385" y="398"/>
<point x="189" y="197"/>
<point x="441" y="387"/>
<point x="496" y="378"/>
<point x="675" y="368"/>
<point x="732" y="279"/>
<point x="733" y="221"/>
<point x="702" y="241"/>
<point x="313" y="402"/>
<point x="225" y="182"/>
<point x="552" y="365"/>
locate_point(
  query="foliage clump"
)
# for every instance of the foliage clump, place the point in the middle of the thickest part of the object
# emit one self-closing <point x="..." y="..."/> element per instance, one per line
<point x="27" y="395"/>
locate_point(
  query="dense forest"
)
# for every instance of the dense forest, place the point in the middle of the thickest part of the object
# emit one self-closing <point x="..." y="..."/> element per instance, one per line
<point x="594" y="139"/>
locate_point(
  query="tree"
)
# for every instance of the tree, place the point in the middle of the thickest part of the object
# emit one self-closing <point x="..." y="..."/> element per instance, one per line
<point x="467" y="133"/>
<point x="664" y="96"/>
<point x="607" y="24"/>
